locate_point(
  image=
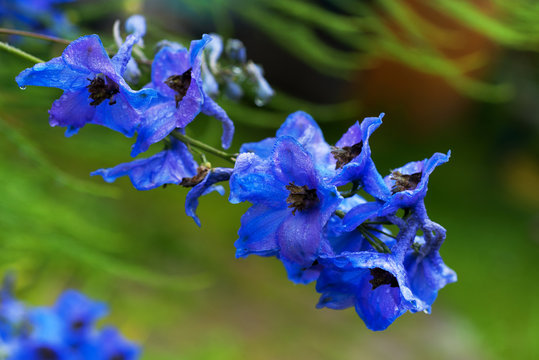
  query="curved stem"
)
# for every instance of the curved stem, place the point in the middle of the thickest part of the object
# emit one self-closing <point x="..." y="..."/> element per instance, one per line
<point x="19" y="52"/>
<point x="202" y="146"/>
<point x="34" y="35"/>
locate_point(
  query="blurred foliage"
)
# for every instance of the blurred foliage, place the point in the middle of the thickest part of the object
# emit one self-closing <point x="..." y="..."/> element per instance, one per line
<point x="179" y="289"/>
<point x="341" y="36"/>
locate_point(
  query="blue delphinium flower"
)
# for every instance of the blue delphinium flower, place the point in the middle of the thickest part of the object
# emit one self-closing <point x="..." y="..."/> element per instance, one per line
<point x="376" y="284"/>
<point x="37" y="15"/>
<point x="352" y="158"/>
<point x="409" y="183"/>
<point x="174" y="165"/>
<point x="65" y="331"/>
<point x="94" y="90"/>
<point x="176" y="76"/>
<point x="169" y="166"/>
<point x="291" y="204"/>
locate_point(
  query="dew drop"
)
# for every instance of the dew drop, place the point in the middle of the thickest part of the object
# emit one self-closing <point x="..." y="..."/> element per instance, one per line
<point x="260" y="102"/>
<point x="22" y="87"/>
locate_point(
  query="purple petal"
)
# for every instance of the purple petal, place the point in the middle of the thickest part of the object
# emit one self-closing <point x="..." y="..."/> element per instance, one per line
<point x="262" y="148"/>
<point x="72" y="110"/>
<point x="159" y="120"/>
<point x="204" y="187"/>
<point x="410" y="198"/>
<point x="54" y="73"/>
<point x="88" y="53"/>
<point x="257" y="234"/>
<point x="211" y="108"/>
<point x="123" y="56"/>
<point x="291" y="163"/>
<point x="302" y="127"/>
<point x="166" y="167"/>
<point x="168" y="62"/>
<point x="253" y="180"/>
<point x="299" y="237"/>
<point x="428" y="275"/>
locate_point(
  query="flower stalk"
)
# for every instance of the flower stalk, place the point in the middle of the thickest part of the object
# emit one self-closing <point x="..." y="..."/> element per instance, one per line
<point x="202" y="146"/>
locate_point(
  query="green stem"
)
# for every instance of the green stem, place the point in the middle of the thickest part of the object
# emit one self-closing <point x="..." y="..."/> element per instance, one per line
<point x="380" y="231"/>
<point x="16" y="51"/>
<point x="353" y="191"/>
<point x="34" y="35"/>
<point x="376" y="243"/>
<point x="202" y="146"/>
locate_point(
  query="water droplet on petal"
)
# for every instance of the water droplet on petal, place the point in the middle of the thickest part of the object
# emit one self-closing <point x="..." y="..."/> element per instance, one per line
<point x="22" y="87"/>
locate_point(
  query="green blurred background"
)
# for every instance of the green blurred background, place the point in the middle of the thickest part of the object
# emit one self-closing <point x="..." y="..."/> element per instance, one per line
<point x="459" y="75"/>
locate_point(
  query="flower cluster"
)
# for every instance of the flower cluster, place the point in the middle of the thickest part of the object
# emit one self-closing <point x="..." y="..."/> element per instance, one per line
<point x="38" y="15"/>
<point x="307" y="209"/>
<point x="64" y="331"/>
<point x="300" y="215"/>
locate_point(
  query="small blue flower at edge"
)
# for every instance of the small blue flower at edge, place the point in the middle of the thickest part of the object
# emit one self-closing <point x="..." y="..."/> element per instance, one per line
<point x="94" y="90"/>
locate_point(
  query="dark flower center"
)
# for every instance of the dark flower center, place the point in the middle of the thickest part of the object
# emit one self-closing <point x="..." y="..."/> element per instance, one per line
<point x="117" y="357"/>
<point x="404" y="182"/>
<point x="381" y="277"/>
<point x="77" y="325"/>
<point x="301" y="197"/>
<point x="346" y="154"/>
<point x="102" y="89"/>
<point x="202" y="171"/>
<point x="180" y="84"/>
<point x="46" y="353"/>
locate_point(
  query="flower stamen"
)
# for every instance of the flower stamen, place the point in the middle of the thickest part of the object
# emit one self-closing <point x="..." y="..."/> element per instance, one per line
<point x="382" y="277"/>
<point x="180" y="84"/>
<point x="301" y="197"/>
<point x="346" y="154"/>
<point x="404" y="182"/>
<point x="102" y="89"/>
<point x="202" y="171"/>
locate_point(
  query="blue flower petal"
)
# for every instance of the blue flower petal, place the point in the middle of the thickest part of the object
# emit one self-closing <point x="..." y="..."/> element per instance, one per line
<point x="410" y="198"/>
<point x="204" y="187"/>
<point x="54" y="73"/>
<point x="257" y="234"/>
<point x="211" y="108"/>
<point x="253" y="180"/>
<point x="166" y="167"/>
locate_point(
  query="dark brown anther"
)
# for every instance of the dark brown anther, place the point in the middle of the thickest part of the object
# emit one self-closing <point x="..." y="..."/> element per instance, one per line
<point x="118" y="357"/>
<point x="102" y="89"/>
<point x="180" y="84"/>
<point x="202" y="171"/>
<point x="346" y="154"/>
<point x="46" y="353"/>
<point x="404" y="182"/>
<point x="381" y="277"/>
<point x="77" y="325"/>
<point x="301" y="197"/>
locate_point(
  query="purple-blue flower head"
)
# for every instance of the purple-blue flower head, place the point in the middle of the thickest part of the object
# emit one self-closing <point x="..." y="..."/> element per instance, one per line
<point x="375" y="284"/>
<point x="169" y="166"/>
<point x="94" y="90"/>
<point x="176" y="76"/>
<point x="109" y="344"/>
<point x="79" y="314"/>
<point x="302" y="127"/>
<point x="291" y="204"/>
<point x="38" y="15"/>
<point x="352" y="158"/>
<point x="408" y="184"/>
